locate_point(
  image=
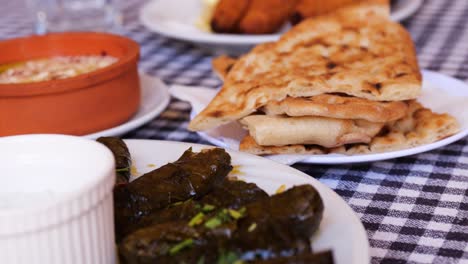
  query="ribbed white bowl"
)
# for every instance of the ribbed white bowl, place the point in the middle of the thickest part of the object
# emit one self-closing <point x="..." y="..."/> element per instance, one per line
<point x="56" y="201"/>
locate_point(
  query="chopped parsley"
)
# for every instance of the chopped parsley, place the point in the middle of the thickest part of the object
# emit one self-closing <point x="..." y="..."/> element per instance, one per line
<point x="208" y="208"/>
<point x="176" y="204"/>
<point x="229" y="258"/>
<point x="224" y="216"/>
<point x="197" y="219"/>
<point x="236" y="214"/>
<point x="180" y="246"/>
<point x="213" y="222"/>
<point x="252" y="227"/>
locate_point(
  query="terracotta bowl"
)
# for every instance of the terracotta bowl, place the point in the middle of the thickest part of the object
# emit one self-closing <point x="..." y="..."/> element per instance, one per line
<point x="78" y="105"/>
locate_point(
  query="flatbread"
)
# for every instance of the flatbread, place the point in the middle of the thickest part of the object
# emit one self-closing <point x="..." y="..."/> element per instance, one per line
<point x="421" y="126"/>
<point x="323" y="131"/>
<point x="358" y="51"/>
<point x="338" y="106"/>
<point x="222" y="65"/>
<point x="249" y="145"/>
<point x="326" y="105"/>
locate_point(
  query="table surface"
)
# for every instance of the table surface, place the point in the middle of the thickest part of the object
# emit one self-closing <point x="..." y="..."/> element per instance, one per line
<point x="415" y="209"/>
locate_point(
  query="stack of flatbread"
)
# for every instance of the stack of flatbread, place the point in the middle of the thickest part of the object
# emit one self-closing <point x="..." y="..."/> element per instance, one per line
<point x="344" y="83"/>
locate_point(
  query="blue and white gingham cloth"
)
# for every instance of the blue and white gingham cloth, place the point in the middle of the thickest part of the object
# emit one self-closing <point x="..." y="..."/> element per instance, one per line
<point x="415" y="209"/>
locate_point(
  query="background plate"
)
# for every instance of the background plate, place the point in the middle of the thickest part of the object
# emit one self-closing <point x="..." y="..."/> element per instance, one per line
<point x="402" y="9"/>
<point x="440" y="93"/>
<point x="340" y="230"/>
<point x="176" y="19"/>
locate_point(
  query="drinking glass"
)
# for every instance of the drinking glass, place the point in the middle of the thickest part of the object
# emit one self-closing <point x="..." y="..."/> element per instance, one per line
<point x="75" y="15"/>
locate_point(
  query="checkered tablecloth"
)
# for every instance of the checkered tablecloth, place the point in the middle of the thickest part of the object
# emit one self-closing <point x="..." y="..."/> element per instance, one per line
<point x="415" y="209"/>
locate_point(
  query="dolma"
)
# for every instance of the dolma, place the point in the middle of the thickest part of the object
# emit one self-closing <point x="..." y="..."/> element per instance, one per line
<point x="123" y="161"/>
<point x="278" y="226"/>
<point x="234" y="194"/>
<point x="174" y="242"/>
<point x="231" y="194"/>
<point x="191" y="176"/>
<point x="283" y="224"/>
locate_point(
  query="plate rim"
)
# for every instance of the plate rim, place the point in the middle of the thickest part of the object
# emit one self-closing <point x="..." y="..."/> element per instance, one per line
<point x="360" y="257"/>
<point x="411" y="8"/>
<point x="328" y="159"/>
<point x="133" y="122"/>
<point x="236" y="39"/>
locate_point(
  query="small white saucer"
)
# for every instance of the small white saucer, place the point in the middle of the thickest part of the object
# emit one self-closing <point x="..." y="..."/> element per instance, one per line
<point x="154" y="99"/>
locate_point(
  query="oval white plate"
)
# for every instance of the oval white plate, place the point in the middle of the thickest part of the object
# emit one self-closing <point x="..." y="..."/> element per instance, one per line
<point x="154" y="99"/>
<point x="340" y="230"/>
<point x="441" y="93"/>
<point x="176" y="19"/>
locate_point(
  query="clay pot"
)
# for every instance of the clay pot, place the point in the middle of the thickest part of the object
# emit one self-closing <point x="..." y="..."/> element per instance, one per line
<point x="78" y="105"/>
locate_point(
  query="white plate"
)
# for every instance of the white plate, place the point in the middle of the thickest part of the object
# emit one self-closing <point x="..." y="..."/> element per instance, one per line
<point x="340" y="230"/>
<point x="442" y="94"/>
<point x="176" y="19"/>
<point x="154" y="99"/>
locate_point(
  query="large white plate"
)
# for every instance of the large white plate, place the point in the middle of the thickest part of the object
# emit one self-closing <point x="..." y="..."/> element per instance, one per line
<point x="340" y="230"/>
<point x="154" y="99"/>
<point x="442" y="94"/>
<point x="176" y="19"/>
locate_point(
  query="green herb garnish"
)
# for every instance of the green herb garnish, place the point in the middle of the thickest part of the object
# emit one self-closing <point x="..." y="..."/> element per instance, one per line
<point x="243" y="210"/>
<point x="178" y="247"/>
<point x="176" y="204"/>
<point x="197" y="219"/>
<point x="122" y="169"/>
<point x="229" y="258"/>
<point x="208" y="208"/>
<point x="235" y="214"/>
<point x="252" y="227"/>
<point x="224" y="216"/>
<point x="213" y="222"/>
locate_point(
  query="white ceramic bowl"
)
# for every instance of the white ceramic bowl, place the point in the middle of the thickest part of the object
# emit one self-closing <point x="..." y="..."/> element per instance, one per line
<point x="56" y="201"/>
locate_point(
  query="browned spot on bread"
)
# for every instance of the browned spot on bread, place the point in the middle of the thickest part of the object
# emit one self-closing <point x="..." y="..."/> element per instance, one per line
<point x="401" y="74"/>
<point x="331" y="65"/>
<point x="350" y="146"/>
<point x="217" y="113"/>
<point x="311" y="147"/>
<point x="385" y="131"/>
<point x="228" y="68"/>
<point x="378" y="86"/>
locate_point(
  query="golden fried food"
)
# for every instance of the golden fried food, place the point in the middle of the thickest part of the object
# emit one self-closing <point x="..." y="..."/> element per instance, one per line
<point x="228" y="14"/>
<point x="266" y="16"/>
<point x="310" y="8"/>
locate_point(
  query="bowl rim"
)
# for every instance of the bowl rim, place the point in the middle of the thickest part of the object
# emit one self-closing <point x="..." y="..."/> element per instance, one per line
<point x="77" y="201"/>
<point x="73" y="83"/>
